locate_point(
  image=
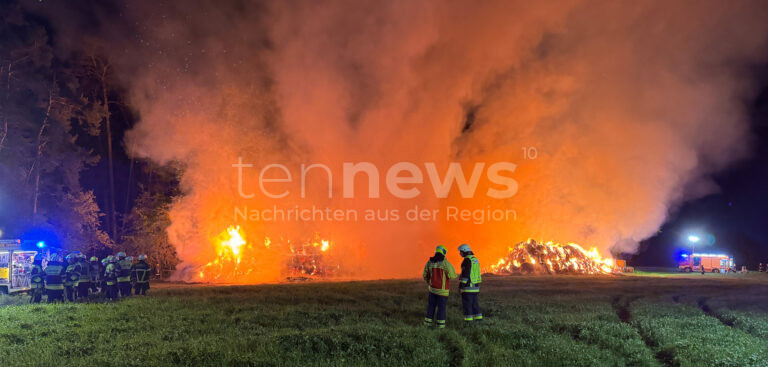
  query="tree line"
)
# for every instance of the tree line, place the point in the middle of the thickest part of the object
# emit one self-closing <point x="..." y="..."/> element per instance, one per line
<point x="58" y="116"/>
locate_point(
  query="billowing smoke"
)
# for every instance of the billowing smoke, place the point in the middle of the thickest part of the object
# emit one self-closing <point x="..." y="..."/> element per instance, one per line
<point x="613" y="111"/>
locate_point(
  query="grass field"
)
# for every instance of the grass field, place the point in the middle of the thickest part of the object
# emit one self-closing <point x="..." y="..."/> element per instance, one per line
<point x="639" y="320"/>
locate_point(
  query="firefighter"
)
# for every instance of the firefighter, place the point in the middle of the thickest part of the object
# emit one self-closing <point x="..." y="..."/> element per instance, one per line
<point x="84" y="283"/>
<point x="72" y="277"/>
<point x="124" y="265"/>
<point x="37" y="280"/>
<point x="54" y="279"/>
<point x="104" y="263"/>
<point x="760" y="268"/>
<point x="97" y="273"/>
<point x="141" y="271"/>
<point x="469" y="285"/>
<point x="437" y="273"/>
<point x="110" y="278"/>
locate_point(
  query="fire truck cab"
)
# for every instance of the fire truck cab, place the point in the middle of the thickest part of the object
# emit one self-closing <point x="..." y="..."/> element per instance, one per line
<point x="715" y="263"/>
<point x="15" y="266"/>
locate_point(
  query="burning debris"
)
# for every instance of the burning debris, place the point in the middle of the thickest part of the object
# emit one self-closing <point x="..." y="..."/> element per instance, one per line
<point x="532" y="257"/>
<point x="236" y="258"/>
<point x="306" y="261"/>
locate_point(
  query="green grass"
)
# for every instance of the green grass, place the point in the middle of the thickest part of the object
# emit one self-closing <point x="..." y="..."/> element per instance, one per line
<point x="684" y="335"/>
<point x="530" y="321"/>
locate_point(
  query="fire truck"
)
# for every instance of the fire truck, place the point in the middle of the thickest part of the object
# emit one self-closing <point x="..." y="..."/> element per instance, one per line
<point x="714" y="263"/>
<point x="15" y="266"/>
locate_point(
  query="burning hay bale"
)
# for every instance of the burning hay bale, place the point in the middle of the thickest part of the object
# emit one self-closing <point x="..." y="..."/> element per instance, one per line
<point x="306" y="261"/>
<point x="533" y="257"/>
<point x="237" y="259"/>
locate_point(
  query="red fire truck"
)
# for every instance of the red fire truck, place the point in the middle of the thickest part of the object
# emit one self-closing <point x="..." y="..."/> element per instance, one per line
<point x="15" y="266"/>
<point x="714" y="263"/>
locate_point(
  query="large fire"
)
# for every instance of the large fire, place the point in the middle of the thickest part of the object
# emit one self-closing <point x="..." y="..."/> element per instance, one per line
<point x="533" y="257"/>
<point x="237" y="259"/>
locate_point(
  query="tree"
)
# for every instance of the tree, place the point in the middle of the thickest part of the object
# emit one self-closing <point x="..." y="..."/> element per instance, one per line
<point x="147" y="230"/>
<point x="42" y="115"/>
<point x="100" y="69"/>
<point x="81" y="227"/>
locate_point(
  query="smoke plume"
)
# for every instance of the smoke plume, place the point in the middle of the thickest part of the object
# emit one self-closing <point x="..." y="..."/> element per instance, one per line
<point x="629" y="107"/>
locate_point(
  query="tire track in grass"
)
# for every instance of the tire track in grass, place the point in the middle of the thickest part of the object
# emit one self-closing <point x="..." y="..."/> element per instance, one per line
<point x="690" y="337"/>
<point x="621" y="305"/>
<point x="452" y="342"/>
<point x="710" y="312"/>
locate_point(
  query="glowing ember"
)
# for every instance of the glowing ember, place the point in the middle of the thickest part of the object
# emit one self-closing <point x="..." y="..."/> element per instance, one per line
<point x="531" y="257"/>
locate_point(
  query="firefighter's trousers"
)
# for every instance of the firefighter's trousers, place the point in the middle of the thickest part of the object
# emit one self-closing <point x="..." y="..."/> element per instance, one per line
<point x="125" y="289"/>
<point x="141" y="288"/>
<point x="441" y="304"/>
<point x="471" y="306"/>
<point x="111" y="291"/>
<point x="71" y="293"/>
<point x="82" y="289"/>
<point x="55" y="295"/>
<point x="36" y="295"/>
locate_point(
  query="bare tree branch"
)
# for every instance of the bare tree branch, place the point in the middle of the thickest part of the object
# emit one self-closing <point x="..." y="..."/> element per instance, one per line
<point x="42" y="141"/>
<point x="3" y="135"/>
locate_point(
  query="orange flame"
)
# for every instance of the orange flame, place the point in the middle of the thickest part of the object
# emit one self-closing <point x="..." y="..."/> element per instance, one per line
<point x="232" y="244"/>
<point x="237" y="261"/>
<point x="552" y="258"/>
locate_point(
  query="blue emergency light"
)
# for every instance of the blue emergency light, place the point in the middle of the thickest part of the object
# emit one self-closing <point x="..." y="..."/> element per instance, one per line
<point x="41" y="244"/>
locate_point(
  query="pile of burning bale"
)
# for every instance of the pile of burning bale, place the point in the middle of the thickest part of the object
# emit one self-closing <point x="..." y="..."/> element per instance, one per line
<point x="307" y="261"/>
<point x="531" y="257"/>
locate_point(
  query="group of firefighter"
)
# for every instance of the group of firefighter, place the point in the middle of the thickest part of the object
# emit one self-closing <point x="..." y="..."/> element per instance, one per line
<point x="74" y="277"/>
<point x="438" y="272"/>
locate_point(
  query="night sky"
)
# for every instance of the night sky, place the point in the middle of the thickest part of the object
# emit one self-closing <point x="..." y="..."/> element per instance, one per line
<point x="735" y="217"/>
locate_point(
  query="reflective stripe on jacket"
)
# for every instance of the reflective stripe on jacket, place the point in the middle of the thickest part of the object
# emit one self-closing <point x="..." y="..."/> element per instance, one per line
<point x="141" y="272"/>
<point x="54" y="276"/>
<point x="124" y="271"/>
<point x="37" y="277"/>
<point x="97" y="273"/>
<point x="437" y="273"/>
<point x="72" y="277"/>
<point x="470" y="275"/>
<point x="85" y="272"/>
<point x="110" y="274"/>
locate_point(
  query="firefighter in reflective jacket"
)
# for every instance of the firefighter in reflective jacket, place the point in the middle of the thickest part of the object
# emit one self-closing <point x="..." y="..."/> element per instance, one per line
<point x="37" y="280"/>
<point x="469" y="285"/>
<point x="437" y="273"/>
<point x="54" y="279"/>
<point x="110" y="278"/>
<point x="124" y="265"/>
<point x="72" y="277"/>
<point x="141" y="272"/>
<point x="84" y="283"/>
<point x="97" y="273"/>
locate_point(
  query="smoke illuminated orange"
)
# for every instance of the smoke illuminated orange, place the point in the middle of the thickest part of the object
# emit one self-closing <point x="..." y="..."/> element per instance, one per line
<point x="609" y="121"/>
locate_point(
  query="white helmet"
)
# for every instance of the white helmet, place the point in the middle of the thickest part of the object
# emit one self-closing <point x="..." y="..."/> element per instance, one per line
<point x="464" y="248"/>
<point x="142" y="257"/>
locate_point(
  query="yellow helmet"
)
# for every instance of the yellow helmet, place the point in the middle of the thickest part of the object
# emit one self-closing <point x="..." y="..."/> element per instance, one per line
<point x="441" y="249"/>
